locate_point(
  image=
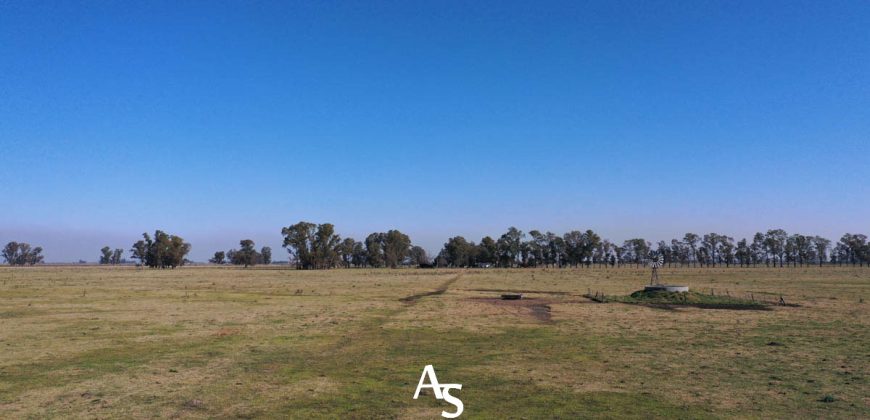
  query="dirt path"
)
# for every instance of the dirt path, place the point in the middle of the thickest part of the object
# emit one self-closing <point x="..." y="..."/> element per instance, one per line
<point x="439" y="291"/>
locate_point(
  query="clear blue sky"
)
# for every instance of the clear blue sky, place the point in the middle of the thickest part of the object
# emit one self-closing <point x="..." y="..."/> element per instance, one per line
<point x="227" y="120"/>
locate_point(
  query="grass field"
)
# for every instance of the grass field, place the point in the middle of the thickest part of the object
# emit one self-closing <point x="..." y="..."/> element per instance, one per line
<point x="229" y="342"/>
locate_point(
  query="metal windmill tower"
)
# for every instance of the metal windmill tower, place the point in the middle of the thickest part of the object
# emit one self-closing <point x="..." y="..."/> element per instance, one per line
<point x="655" y="264"/>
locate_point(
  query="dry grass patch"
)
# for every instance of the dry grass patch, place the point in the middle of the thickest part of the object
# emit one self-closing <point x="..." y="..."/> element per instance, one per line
<point x="227" y="342"/>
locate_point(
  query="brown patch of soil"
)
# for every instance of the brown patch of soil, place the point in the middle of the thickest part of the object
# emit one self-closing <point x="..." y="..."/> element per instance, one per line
<point x="534" y="307"/>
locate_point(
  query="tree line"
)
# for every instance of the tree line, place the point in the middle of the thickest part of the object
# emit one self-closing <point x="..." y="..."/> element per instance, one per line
<point x="246" y="255"/>
<point x="21" y="253"/>
<point x="113" y="257"/>
<point x="318" y="246"/>
<point x="162" y="251"/>
<point x="575" y="248"/>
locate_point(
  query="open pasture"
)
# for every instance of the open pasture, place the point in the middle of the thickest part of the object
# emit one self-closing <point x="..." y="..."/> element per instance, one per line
<point x="229" y="342"/>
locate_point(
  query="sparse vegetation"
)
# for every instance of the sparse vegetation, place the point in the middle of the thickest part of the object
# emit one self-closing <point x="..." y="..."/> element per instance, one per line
<point x="265" y="342"/>
<point x="690" y="298"/>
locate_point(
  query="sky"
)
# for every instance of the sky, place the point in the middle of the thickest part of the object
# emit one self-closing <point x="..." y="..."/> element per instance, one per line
<point x="220" y="121"/>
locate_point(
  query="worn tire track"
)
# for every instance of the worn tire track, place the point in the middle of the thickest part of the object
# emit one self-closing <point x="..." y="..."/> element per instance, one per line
<point x="439" y="291"/>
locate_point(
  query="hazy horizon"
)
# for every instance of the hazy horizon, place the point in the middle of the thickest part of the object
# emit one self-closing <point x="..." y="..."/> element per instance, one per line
<point x="85" y="245"/>
<point x="231" y="121"/>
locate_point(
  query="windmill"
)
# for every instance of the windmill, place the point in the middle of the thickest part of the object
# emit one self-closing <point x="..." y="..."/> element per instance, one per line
<point x="655" y="264"/>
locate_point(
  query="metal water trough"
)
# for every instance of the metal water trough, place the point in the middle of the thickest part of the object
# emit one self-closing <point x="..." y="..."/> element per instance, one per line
<point x="666" y="288"/>
<point x="512" y="296"/>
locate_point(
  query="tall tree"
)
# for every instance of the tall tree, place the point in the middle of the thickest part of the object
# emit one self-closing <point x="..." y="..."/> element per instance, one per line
<point x="710" y="246"/>
<point x="637" y="250"/>
<point x="590" y="243"/>
<point x="536" y="247"/>
<point x="509" y="245"/>
<point x="801" y="247"/>
<point x="691" y="240"/>
<point x="117" y="256"/>
<point x="458" y="252"/>
<point x="358" y="258"/>
<point x="821" y="244"/>
<point x="163" y="251"/>
<point x="139" y="251"/>
<point x="573" y="241"/>
<point x="679" y="251"/>
<point x="775" y="241"/>
<point x="326" y="246"/>
<point x="346" y="251"/>
<point x="21" y="253"/>
<point x="246" y="255"/>
<point x="759" y="250"/>
<point x="726" y="250"/>
<point x="854" y="249"/>
<point x="218" y="258"/>
<point x="299" y="241"/>
<point x="397" y="245"/>
<point x="555" y="254"/>
<point x="418" y="255"/>
<point x="375" y="250"/>
<point x="487" y="251"/>
<point x="743" y="253"/>
<point x="266" y="255"/>
<point x="106" y="255"/>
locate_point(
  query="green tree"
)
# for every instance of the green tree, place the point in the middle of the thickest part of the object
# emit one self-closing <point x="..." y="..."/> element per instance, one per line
<point x="637" y="250"/>
<point x="710" y="246"/>
<point x="821" y="244"/>
<point x="758" y="250"/>
<point x="247" y="254"/>
<point x="691" y="240"/>
<point x="299" y="241"/>
<point x="358" y="258"/>
<point x="775" y="241"/>
<point x="487" y="251"/>
<point x="509" y="245"/>
<point x="397" y="246"/>
<point x="117" y="256"/>
<point x="418" y="255"/>
<point x="458" y="252"/>
<point x="219" y="258"/>
<point x="375" y="250"/>
<point x="266" y="255"/>
<point x="726" y="250"/>
<point x="326" y="246"/>
<point x="106" y="255"/>
<point x="21" y="253"/>
<point x="139" y="252"/>
<point x="163" y="251"/>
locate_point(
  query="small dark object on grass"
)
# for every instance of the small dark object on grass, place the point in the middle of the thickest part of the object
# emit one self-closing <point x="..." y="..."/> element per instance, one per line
<point x="828" y="399"/>
<point x="774" y="343"/>
<point x="512" y="296"/>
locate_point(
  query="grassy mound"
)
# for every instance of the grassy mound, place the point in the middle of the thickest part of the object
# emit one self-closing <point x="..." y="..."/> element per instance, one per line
<point x="696" y="299"/>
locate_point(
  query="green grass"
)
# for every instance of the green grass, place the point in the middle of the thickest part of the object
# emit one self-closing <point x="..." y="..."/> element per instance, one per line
<point x="689" y="298"/>
<point x="233" y="343"/>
